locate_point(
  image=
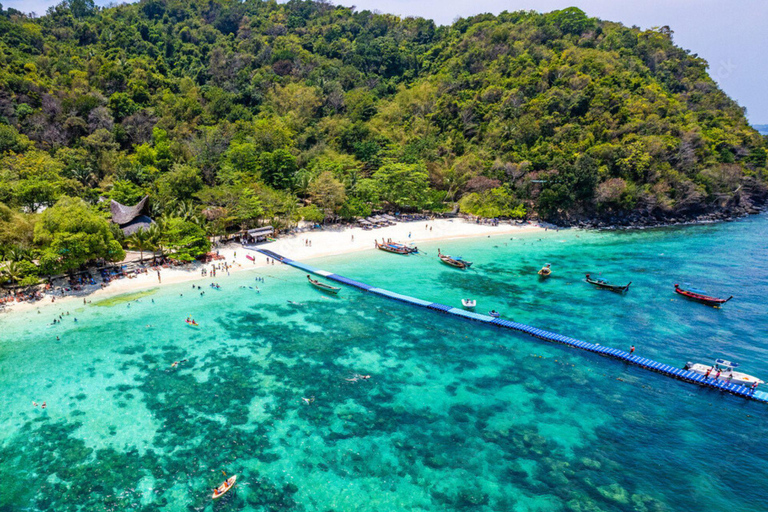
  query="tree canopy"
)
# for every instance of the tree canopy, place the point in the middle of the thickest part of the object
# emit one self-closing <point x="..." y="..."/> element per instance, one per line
<point x="72" y="235"/>
<point x="238" y="113"/>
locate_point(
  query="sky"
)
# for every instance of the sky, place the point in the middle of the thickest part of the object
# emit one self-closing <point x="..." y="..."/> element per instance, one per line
<point x="731" y="35"/>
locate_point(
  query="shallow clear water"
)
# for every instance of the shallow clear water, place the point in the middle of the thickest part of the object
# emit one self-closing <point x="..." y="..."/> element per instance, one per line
<point x="456" y="415"/>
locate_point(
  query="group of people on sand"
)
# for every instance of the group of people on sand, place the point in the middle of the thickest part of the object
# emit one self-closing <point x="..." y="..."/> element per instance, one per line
<point x="21" y="296"/>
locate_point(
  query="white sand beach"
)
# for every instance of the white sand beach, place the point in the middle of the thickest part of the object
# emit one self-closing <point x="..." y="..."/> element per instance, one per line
<point x="327" y="242"/>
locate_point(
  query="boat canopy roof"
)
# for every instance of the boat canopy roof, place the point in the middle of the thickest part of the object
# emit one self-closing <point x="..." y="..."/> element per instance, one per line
<point x="266" y="230"/>
<point x="729" y="364"/>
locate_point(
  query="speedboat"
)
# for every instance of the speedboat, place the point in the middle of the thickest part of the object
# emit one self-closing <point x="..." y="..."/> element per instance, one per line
<point x="469" y="303"/>
<point x="723" y="370"/>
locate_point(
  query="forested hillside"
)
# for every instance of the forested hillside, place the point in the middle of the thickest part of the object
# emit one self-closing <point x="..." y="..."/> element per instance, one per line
<point x="230" y="113"/>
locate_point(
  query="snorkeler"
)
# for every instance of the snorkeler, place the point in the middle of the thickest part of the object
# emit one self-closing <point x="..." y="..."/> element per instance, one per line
<point x="308" y="400"/>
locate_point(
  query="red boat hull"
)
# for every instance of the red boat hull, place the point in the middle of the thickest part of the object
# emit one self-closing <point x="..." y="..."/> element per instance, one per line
<point x="704" y="299"/>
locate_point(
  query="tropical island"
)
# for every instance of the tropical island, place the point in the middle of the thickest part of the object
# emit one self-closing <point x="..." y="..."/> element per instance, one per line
<point x="221" y="116"/>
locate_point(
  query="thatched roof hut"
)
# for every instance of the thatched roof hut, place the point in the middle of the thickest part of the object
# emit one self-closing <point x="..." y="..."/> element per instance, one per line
<point x="130" y="218"/>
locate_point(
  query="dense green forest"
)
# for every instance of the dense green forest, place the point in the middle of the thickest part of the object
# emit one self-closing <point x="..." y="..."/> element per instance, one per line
<point x="232" y="114"/>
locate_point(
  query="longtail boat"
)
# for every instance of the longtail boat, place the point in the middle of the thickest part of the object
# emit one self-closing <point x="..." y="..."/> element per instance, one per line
<point x="454" y="262"/>
<point x="704" y="299"/>
<point x="600" y="283"/>
<point x="223" y="488"/>
<point x="322" y="286"/>
<point x="545" y="272"/>
<point x="396" y="248"/>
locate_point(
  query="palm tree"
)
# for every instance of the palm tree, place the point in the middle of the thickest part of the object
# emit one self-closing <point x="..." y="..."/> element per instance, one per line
<point x="141" y="240"/>
<point x="17" y="254"/>
<point x="155" y="233"/>
<point x="11" y="271"/>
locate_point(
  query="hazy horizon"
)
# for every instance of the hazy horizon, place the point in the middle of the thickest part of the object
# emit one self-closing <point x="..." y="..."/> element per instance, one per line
<point x="730" y="37"/>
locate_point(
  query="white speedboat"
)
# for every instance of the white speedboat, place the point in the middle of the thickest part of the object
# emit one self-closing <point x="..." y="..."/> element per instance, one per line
<point x="469" y="303"/>
<point x="723" y="370"/>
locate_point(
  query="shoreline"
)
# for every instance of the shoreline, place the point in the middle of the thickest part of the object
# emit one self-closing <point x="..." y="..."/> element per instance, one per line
<point x="325" y="243"/>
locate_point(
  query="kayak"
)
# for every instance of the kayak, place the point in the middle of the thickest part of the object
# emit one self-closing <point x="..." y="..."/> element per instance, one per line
<point x="223" y="488"/>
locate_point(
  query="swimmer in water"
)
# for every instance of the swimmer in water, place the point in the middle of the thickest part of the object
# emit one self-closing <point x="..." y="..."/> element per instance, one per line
<point x="308" y="400"/>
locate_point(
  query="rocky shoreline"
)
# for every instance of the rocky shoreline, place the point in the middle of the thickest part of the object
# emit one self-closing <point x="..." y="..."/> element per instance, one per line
<point x="640" y="221"/>
<point x="752" y="199"/>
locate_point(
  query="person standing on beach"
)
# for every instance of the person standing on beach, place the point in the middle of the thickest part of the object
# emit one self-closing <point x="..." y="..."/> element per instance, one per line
<point x="158" y="277"/>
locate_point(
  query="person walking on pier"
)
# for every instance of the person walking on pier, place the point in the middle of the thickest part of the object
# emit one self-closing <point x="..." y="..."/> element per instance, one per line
<point x="753" y="388"/>
<point x="631" y="350"/>
<point x="706" y="375"/>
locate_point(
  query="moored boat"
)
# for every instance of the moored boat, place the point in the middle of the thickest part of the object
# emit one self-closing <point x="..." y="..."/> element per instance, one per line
<point x="545" y="272"/>
<point x="454" y="262"/>
<point x="469" y="303"/>
<point x="723" y="370"/>
<point x="322" y="286"/>
<point x="223" y="488"/>
<point x="700" y="297"/>
<point x="601" y="283"/>
<point x="389" y="246"/>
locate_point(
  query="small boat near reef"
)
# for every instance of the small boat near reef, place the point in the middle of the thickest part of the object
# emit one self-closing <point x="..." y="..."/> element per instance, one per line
<point x="390" y="246"/>
<point x="545" y="272"/>
<point x="454" y="262"/>
<point x="723" y="370"/>
<point x="494" y="313"/>
<point x="322" y="286"/>
<point x="191" y="322"/>
<point x="700" y="297"/>
<point x="600" y="283"/>
<point x="469" y="303"/>
<point x="223" y="488"/>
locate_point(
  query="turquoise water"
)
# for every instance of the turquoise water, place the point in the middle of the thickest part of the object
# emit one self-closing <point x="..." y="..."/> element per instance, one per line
<point x="455" y="416"/>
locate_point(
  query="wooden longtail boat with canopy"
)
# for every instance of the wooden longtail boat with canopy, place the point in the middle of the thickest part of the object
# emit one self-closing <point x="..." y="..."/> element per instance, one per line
<point x="395" y="247"/>
<point x="454" y="262"/>
<point x="601" y="283"/>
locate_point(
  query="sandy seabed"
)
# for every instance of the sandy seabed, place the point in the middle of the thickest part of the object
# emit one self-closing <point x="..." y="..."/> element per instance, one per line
<point x="328" y="242"/>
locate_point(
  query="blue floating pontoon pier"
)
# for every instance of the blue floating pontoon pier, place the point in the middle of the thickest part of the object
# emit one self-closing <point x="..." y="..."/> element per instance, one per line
<point x="655" y="366"/>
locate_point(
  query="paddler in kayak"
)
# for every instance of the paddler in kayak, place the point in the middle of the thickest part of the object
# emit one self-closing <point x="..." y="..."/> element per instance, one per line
<point x="223" y="488"/>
